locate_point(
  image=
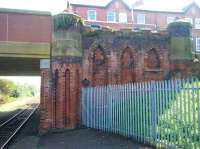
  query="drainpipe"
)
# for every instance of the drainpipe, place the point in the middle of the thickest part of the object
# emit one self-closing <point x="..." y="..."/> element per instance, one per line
<point x="132" y="16"/>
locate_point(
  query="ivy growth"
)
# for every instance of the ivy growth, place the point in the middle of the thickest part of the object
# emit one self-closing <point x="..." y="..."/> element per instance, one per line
<point x="65" y="21"/>
<point x="179" y="29"/>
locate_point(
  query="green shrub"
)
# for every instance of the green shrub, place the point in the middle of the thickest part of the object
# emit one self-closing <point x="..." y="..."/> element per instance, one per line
<point x="6" y="87"/>
<point x="179" y="29"/>
<point x="64" y="21"/>
<point x="9" y="91"/>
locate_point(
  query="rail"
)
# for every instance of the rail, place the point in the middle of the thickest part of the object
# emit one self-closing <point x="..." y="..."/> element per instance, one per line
<point x="11" y="127"/>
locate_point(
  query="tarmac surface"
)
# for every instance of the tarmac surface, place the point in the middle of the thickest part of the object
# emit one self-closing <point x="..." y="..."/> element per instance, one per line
<point x="28" y="138"/>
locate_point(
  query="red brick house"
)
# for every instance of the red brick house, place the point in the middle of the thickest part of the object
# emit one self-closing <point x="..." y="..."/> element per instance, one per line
<point x="118" y="14"/>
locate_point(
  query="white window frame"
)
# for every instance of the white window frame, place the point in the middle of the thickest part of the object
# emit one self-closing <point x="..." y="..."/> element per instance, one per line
<point x="114" y="15"/>
<point x="197" y="23"/>
<point x="140" y="18"/>
<point x="198" y="44"/>
<point x="123" y="17"/>
<point x="189" y="20"/>
<point x="170" y="20"/>
<point x="88" y="15"/>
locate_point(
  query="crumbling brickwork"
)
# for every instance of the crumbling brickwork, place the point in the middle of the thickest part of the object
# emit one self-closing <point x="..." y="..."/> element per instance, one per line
<point x="117" y="58"/>
<point x="94" y="58"/>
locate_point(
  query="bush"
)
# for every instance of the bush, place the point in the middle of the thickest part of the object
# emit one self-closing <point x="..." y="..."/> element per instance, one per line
<point x="179" y="29"/>
<point x="7" y="87"/>
<point x="64" y="21"/>
<point x="15" y="93"/>
<point x="9" y="90"/>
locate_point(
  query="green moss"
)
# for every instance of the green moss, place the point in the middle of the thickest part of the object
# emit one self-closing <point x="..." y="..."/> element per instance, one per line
<point x="64" y="21"/>
<point x="68" y="47"/>
<point x="181" y="48"/>
<point x="125" y="35"/>
<point x="91" y="34"/>
<point x="179" y="29"/>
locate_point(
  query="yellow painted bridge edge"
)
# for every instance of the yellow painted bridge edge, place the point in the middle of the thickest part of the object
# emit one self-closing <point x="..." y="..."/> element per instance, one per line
<point x="24" y="49"/>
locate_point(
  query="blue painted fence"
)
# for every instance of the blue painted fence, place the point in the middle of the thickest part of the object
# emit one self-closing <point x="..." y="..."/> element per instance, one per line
<point x="165" y="114"/>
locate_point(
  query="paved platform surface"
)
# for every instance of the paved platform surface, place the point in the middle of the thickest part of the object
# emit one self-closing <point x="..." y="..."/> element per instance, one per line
<point x="86" y="139"/>
<point x="73" y="139"/>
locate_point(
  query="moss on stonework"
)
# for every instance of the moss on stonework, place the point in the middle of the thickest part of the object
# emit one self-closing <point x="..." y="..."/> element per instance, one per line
<point x="67" y="44"/>
<point x="65" y="21"/>
<point x="67" y="35"/>
<point x="125" y="35"/>
<point x="181" y="48"/>
<point x="67" y="48"/>
<point x="119" y="38"/>
<point x="179" y="29"/>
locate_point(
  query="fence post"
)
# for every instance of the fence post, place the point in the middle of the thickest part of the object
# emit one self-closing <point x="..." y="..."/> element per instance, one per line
<point x="153" y="97"/>
<point x="82" y="106"/>
<point x="109" y="95"/>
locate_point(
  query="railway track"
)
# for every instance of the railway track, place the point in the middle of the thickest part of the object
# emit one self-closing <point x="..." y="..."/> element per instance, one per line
<point x="9" y="128"/>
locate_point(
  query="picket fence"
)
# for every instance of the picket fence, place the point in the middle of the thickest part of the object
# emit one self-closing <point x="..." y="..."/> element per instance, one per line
<point x="165" y="114"/>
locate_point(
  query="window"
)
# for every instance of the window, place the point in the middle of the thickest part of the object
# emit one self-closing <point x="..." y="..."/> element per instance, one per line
<point x="170" y="20"/>
<point x="140" y="19"/>
<point x="198" y="44"/>
<point x="122" y="17"/>
<point x="91" y="15"/>
<point x="190" y="20"/>
<point x="197" y="23"/>
<point x="111" y="17"/>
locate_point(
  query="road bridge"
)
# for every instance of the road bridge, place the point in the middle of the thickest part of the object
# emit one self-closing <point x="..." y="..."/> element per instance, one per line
<point x="25" y="38"/>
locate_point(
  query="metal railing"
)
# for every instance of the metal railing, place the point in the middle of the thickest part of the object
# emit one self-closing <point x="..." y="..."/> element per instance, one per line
<point x="165" y="114"/>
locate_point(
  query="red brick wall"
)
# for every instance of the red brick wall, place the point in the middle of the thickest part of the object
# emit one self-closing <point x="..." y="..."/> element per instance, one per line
<point x="66" y="95"/>
<point x="3" y="27"/>
<point x="104" y="61"/>
<point x="45" y="101"/>
<point x="125" y="66"/>
<point x="182" y="68"/>
<point x="25" y="27"/>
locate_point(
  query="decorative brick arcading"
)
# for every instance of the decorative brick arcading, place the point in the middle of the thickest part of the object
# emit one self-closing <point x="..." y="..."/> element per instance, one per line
<point x="66" y="94"/>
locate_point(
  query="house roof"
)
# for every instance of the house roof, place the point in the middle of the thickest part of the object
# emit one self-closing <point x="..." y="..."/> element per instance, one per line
<point x="190" y="5"/>
<point x="149" y="5"/>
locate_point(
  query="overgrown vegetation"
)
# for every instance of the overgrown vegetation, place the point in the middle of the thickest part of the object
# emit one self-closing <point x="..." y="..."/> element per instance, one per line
<point x="64" y="21"/>
<point x="177" y="116"/>
<point x="179" y="123"/>
<point x="180" y="29"/>
<point x="165" y="114"/>
<point x="180" y="42"/>
<point x="10" y="91"/>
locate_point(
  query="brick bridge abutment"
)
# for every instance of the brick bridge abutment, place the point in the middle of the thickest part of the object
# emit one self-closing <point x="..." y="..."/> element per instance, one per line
<point x="84" y="57"/>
